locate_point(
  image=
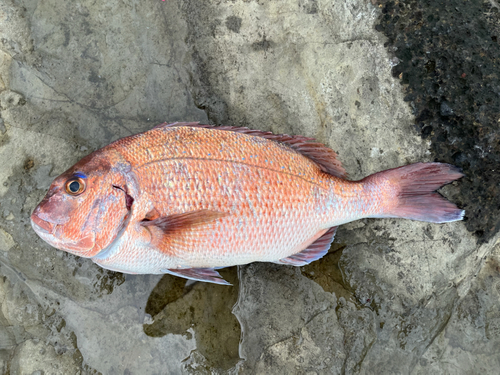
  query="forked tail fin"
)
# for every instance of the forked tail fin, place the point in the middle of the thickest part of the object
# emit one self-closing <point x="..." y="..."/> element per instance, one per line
<point x="415" y="187"/>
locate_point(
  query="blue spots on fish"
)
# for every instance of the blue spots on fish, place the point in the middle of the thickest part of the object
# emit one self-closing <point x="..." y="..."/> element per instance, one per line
<point x="80" y="175"/>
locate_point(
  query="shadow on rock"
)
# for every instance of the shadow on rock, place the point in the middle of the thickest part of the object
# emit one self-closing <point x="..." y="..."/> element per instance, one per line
<point x="204" y="309"/>
<point x="327" y="273"/>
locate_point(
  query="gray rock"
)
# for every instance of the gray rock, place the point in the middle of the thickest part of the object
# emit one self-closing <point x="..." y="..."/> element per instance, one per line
<point x="289" y="323"/>
<point x="392" y="296"/>
<point x="445" y="109"/>
<point x="34" y="357"/>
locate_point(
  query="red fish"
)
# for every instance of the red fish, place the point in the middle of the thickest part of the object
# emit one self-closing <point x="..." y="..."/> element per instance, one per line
<point x="187" y="199"/>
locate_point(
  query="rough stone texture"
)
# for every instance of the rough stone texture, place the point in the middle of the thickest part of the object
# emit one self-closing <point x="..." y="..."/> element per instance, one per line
<point x="176" y="309"/>
<point x="289" y="324"/>
<point x="448" y="61"/>
<point x="392" y="296"/>
<point x="469" y="343"/>
<point x="32" y="356"/>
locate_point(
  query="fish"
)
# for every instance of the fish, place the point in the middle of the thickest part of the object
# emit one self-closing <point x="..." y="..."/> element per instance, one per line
<point x="187" y="199"/>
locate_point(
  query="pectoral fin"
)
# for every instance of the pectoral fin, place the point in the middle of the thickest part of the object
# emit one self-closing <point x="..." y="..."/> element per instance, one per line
<point x="208" y="275"/>
<point x="177" y="222"/>
<point x="170" y="233"/>
<point x="315" y="251"/>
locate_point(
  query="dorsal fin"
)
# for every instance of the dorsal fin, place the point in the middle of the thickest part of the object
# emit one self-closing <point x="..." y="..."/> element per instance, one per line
<point x="325" y="157"/>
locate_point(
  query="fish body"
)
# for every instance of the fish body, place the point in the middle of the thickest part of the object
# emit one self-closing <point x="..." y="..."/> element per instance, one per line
<point x="186" y="199"/>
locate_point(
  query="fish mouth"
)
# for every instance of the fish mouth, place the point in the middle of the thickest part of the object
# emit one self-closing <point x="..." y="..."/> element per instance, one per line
<point x="47" y="232"/>
<point x="42" y="226"/>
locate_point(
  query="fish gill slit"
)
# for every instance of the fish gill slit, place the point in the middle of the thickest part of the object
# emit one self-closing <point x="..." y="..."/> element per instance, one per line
<point x="128" y="198"/>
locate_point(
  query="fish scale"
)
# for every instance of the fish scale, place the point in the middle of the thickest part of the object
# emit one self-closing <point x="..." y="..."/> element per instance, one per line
<point x="288" y="218"/>
<point x="187" y="198"/>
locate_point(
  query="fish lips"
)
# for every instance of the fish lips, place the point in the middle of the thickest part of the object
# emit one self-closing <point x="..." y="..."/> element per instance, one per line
<point x="49" y="232"/>
<point x="42" y="226"/>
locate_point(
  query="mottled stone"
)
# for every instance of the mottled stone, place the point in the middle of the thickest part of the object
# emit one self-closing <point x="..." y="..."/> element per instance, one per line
<point x="33" y="356"/>
<point x="392" y="296"/>
<point x="448" y="58"/>
<point x="288" y="323"/>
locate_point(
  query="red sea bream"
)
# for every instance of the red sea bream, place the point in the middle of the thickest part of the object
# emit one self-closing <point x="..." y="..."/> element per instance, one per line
<point x="187" y="199"/>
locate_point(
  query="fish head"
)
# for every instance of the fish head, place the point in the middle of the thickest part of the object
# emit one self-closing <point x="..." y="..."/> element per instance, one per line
<point x="85" y="207"/>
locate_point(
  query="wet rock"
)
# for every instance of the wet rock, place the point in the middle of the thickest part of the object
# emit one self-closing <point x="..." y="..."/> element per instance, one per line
<point x="6" y="240"/>
<point x="76" y="104"/>
<point x="391" y="269"/>
<point x="33" y="356"/>
<point x="15" y="39"/>
<point x="11" y="99"/>
<point x="449" y="56"/>
<point x="233" y="23"/>
<point x="288" y="322"/>
<point x="33" y="338"/>
<point x="445" y="109"/>
<point x="393" y="296"/>
<point x="203" y="310"/>
<point x="471" y="338"/>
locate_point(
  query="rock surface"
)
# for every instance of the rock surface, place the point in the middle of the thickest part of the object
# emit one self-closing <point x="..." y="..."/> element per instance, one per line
<point x="392" y="296"/>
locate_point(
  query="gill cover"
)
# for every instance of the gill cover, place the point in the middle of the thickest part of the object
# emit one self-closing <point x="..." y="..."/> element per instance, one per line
<point x="86" y="206"/>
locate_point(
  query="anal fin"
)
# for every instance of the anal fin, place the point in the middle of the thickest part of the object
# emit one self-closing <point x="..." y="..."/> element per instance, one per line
<point x="208" y="275"/>
<point x="313" y="252"/>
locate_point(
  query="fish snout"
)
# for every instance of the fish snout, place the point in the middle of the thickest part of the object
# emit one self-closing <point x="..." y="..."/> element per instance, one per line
<point x="78" y="243"/>
<point x="40" y="225"/>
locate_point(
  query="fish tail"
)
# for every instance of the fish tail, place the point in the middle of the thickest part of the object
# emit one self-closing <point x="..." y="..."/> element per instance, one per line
<point x="415" y="187"/>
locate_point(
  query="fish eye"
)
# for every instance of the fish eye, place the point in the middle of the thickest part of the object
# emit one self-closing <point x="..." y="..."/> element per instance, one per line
<point x="75" y="186"/>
